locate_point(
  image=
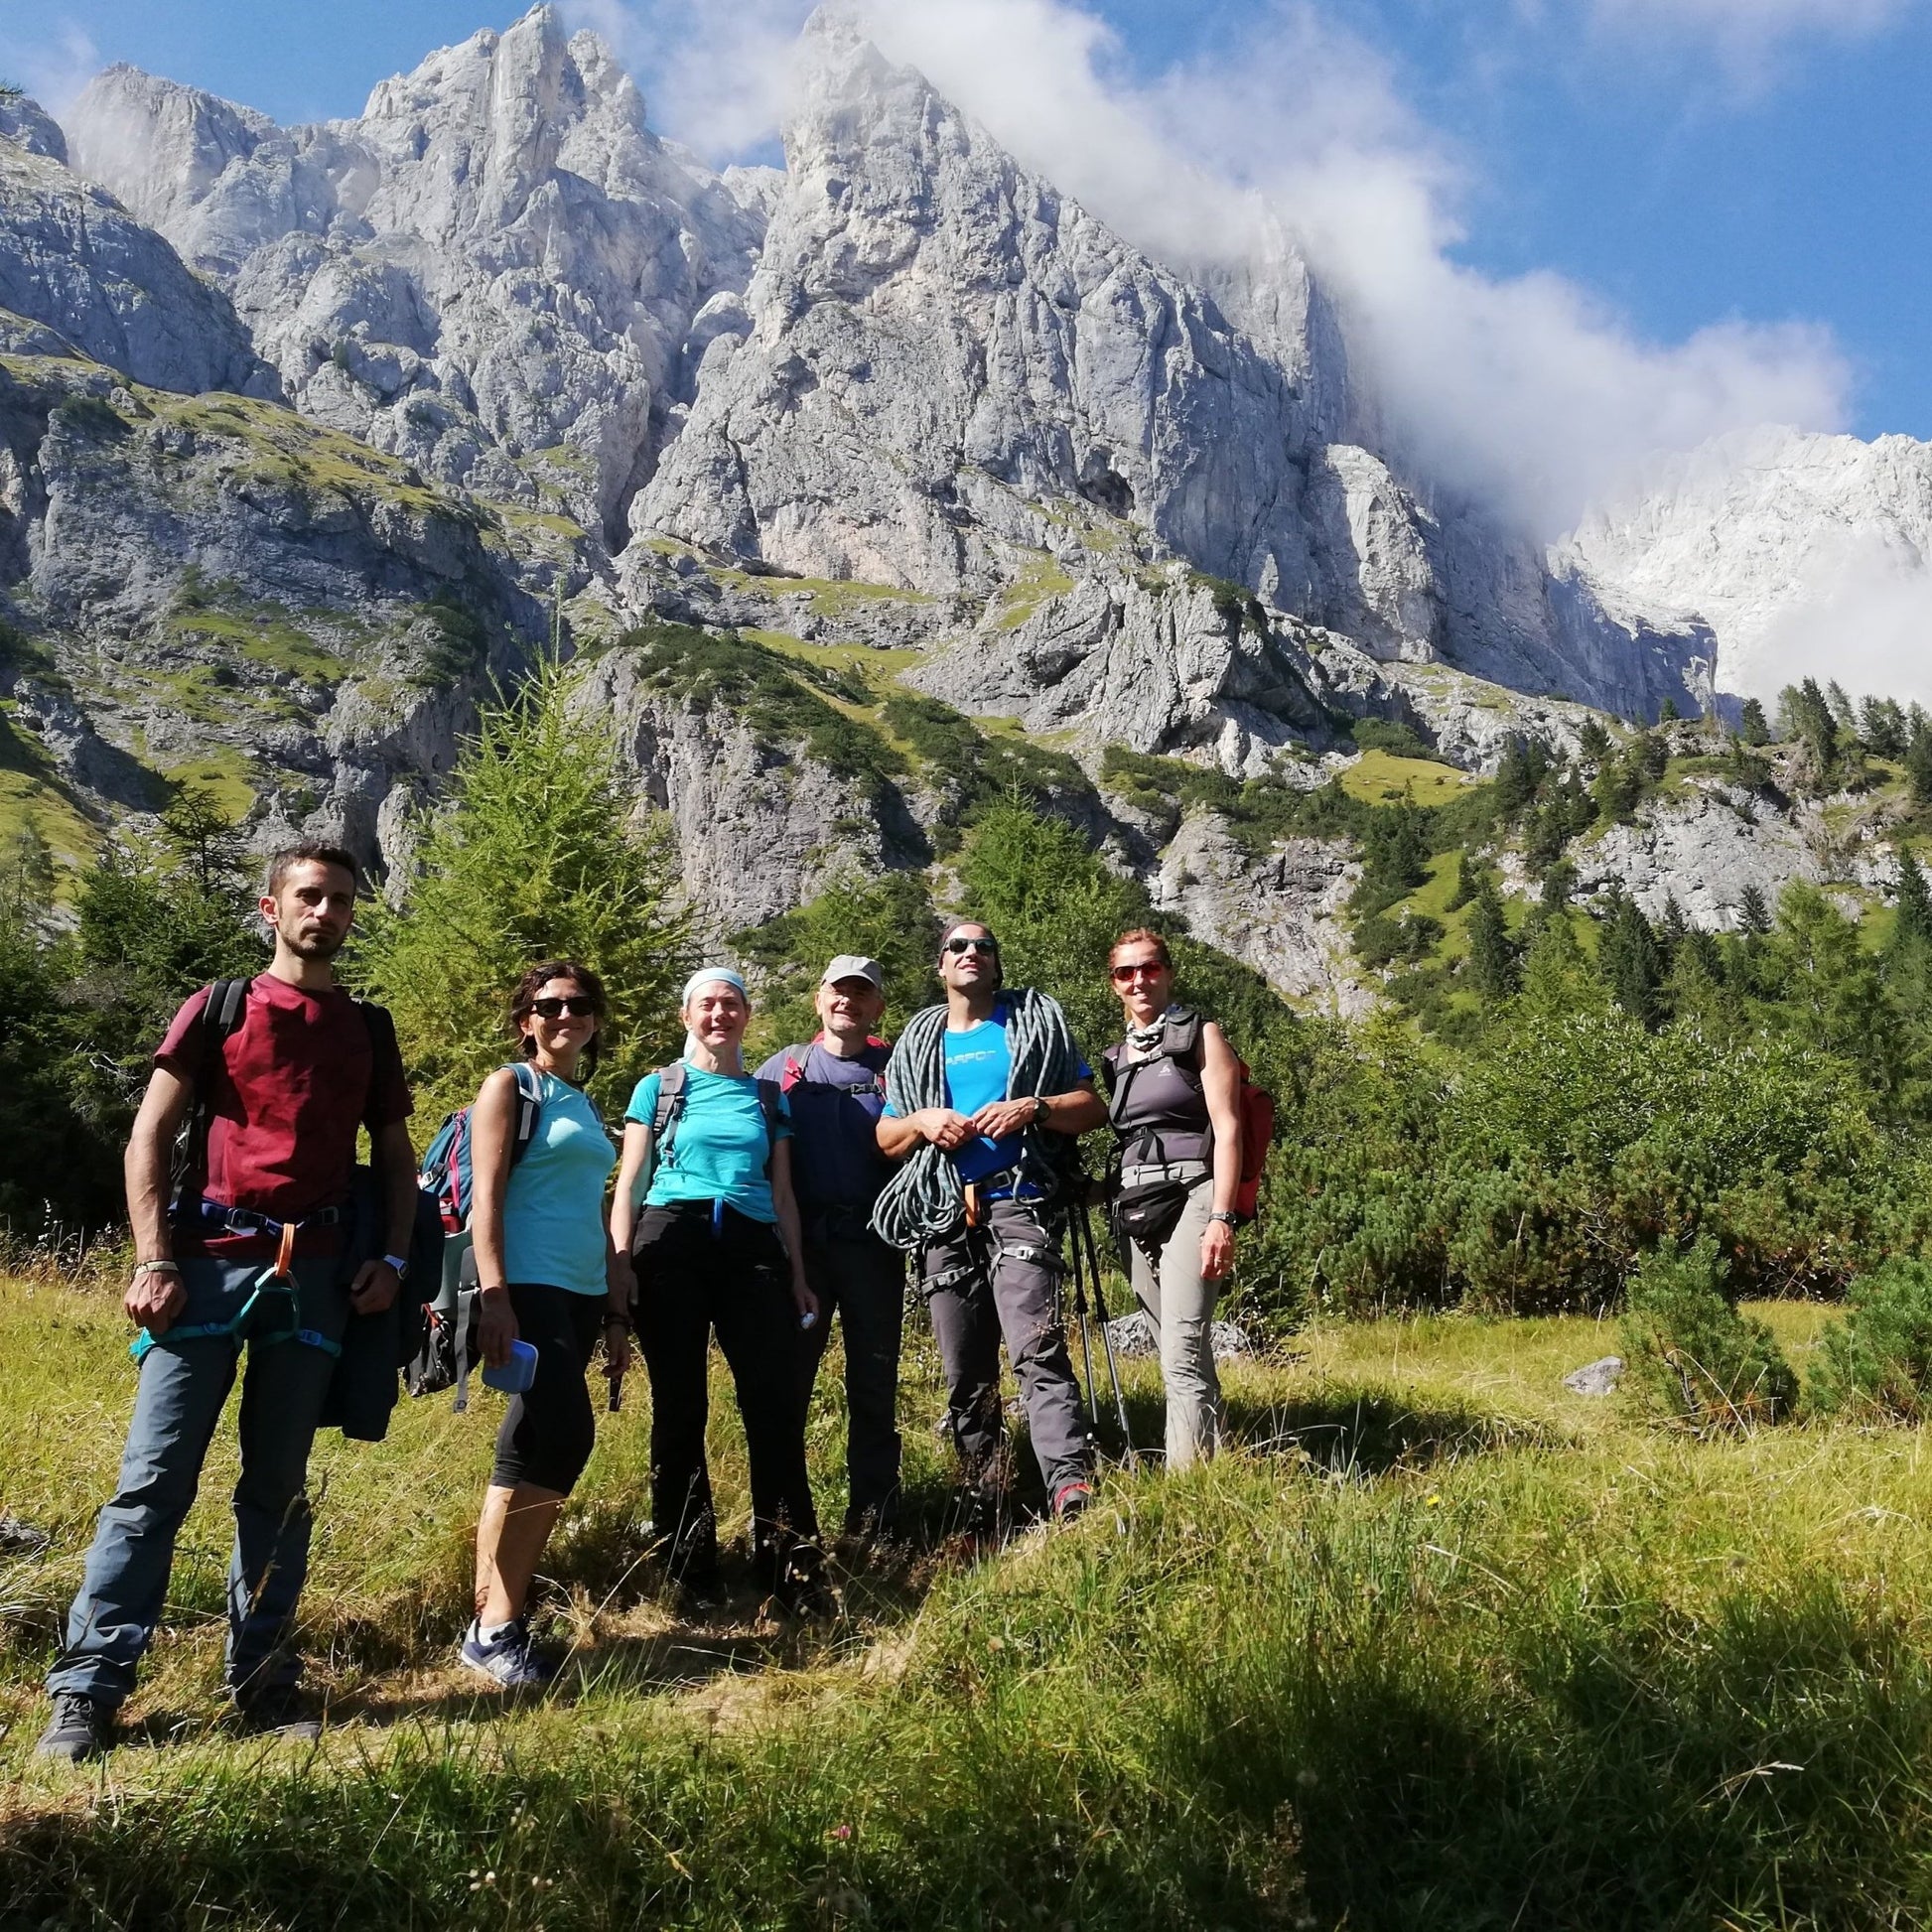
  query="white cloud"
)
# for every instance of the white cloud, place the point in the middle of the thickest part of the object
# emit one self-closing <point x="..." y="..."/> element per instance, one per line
<point x="1529" y="391"/>
<point x="54" y="68"/>
<point x="1748" y="31"/>
<point x="1862" y="613"/>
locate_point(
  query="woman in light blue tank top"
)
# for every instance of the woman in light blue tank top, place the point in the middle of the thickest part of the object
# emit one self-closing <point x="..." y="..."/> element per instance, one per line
<point x="545" y="1275"/>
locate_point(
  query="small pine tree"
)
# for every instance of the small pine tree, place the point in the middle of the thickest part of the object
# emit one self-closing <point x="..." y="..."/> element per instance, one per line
<point x="1493" y="954"/>
<point x="1914" y="923"/>
<point x="1668" y="713"/>
<point x="1752" y="726"/>
<point x="1631" y="961"/>
<point x="1592" y="740"/>
<point x="1618" y="787"/>
<point x="536" y="858"/>
<point x="1470" y="873"/>
<point x="1754" y="910"/>
<point x="1919" y="767"/>
<point x="1693" y="1356"/>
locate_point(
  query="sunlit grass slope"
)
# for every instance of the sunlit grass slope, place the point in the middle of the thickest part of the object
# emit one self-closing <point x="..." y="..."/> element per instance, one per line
<point x="1439" y="1646"/>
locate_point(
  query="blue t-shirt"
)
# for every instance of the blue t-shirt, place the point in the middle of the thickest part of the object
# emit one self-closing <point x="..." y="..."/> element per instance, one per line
<point x="719" y="1147"/>
<point x="979" y="1066"/>
<point x="553" y="1207"/>
<point x="835" y="1108"/>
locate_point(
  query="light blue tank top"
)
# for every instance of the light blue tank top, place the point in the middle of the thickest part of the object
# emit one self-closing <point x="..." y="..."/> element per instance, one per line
<point x="553" y="1208"/>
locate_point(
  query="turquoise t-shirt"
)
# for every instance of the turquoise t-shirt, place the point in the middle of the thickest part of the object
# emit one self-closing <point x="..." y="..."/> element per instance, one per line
<point x="553" y="1207"/>
<point x="719" y="1148"/>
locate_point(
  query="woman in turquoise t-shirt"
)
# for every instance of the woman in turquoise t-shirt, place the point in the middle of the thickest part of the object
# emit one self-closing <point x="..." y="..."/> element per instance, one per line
<point x="718" y="1248"/>
<point x="548" y="1276"/>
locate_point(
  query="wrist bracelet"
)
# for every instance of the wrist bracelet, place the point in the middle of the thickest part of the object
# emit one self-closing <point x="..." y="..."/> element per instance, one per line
<point x="1226" y="1216"/>
<point x="157" y="1268"/>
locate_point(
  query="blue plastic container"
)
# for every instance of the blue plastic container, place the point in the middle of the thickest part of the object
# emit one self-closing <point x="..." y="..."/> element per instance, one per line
<point x="517" y="1373"/>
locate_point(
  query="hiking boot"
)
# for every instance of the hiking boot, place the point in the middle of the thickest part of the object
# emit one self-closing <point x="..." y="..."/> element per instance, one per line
<point x="18" y="1539"/>
<point x="801" y="1587"/>
<point x="278" y="1711"/>
<point x="510" y="1658"/>
<point x="1070" y="1500"/>
<point x="81" y="1727"/>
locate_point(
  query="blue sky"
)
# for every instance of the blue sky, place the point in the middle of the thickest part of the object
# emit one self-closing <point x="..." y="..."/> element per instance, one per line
<point x="1682" y="163"/>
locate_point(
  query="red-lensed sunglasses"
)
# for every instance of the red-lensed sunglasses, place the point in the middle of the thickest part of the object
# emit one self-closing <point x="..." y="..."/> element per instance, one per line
<point x="1139" y="969"/>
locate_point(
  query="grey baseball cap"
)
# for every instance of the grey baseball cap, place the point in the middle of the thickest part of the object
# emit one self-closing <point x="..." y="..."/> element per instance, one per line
<point x="854" y="966"/>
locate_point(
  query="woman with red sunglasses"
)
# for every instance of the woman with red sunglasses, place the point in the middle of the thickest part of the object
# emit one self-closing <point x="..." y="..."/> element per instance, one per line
<point x="1173" y="1087"/>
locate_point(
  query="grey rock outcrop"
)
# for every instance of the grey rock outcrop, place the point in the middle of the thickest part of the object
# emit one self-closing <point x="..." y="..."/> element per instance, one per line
<point x="1157" y="662"/>
<point x="1595" y="1378"/>
<point x="1703" y="848"/>
<point x="1279" y="911"/>
<point x="74" y="260"/>
<point x="27" y="124"/>
<point x="492" y="272"/>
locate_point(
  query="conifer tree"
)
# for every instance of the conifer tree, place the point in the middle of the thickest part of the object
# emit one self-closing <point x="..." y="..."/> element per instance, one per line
<point x="1914" y="923"/>
<point x="1919" y="767"/>
<point x="1752" y="726"/>
<point x="1631" y="961"/>
<point x="1493" y="955"/>
<point x="1754" y="910"/>
<point x="539" y="854"/>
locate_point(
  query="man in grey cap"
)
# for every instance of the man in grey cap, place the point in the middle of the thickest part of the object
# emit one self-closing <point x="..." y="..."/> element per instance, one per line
<point x="836" y="1088"/>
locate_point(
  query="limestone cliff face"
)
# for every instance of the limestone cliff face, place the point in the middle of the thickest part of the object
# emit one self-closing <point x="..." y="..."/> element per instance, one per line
<point x="73" y="261"/>
<point x="491" y="273"/>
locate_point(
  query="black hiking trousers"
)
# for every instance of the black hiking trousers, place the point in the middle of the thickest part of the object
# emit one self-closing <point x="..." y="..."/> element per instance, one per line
<point x="698" y="1273"/>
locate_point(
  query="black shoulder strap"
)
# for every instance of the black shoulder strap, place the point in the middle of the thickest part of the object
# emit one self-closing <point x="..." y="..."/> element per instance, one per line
<point x="1182" y="1039"/>
<point x="772" y="1099"/>
<point x="224" y="1008"/>
<point x="670" y="1103"/>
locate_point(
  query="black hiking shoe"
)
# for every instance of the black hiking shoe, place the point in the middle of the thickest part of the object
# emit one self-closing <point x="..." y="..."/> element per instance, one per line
<point x="278" y="1711"/>
<point x="801" y="1587"/>
<point x="81" y="1727"/>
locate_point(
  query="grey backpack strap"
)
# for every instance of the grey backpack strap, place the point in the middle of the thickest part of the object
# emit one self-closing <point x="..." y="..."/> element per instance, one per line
<point x="670" y="1103"/>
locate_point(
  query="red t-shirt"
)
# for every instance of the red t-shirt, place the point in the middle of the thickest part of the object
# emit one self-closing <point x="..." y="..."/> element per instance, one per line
<point x="297" y="1076"/>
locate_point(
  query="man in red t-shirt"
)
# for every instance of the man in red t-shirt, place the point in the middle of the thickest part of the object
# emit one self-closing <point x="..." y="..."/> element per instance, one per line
<point x="249" y="1251"/>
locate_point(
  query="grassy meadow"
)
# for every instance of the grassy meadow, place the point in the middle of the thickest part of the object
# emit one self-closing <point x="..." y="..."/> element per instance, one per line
<point x="1437" y="1645"/>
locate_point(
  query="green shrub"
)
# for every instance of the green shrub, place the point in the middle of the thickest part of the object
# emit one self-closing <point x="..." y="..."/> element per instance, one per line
<point x="1693" y="1357"/>
<point x="1385" y="735"/>
<point x="1880" y="1356"/>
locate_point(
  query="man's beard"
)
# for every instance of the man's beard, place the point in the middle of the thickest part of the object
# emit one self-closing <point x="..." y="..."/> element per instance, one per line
<point x="324" y="945"/>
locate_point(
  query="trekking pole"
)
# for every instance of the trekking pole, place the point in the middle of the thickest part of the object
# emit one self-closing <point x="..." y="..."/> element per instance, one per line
<point x="1086" y="1345"/>
<point x="1085" y="1236"/>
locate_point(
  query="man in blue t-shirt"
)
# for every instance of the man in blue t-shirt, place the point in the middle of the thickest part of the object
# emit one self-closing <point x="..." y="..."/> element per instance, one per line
<point x="975" y="1089"/>
<point x="835" y="1086"/>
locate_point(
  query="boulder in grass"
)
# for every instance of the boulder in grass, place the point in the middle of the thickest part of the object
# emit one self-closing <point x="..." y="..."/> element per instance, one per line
<point x="1134" y="1338"/>
<point x="1595" y="1378"/>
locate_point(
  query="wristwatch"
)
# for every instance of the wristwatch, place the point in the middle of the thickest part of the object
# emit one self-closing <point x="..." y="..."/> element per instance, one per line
<point x="1039" y="1108"/>
<point x="1226" y="1216"/>
<point x="400" y="1263"/>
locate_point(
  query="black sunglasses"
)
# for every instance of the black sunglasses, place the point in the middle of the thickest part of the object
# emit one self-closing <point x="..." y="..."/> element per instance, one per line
<point x="580" y="1006"/>
<point x="957" y="946"/>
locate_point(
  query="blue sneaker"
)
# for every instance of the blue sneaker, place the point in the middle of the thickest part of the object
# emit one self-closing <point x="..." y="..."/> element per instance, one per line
<point x="511" y="1660"/>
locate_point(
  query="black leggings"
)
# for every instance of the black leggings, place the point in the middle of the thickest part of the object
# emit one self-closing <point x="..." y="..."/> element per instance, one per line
<point x="546" y="1437"/>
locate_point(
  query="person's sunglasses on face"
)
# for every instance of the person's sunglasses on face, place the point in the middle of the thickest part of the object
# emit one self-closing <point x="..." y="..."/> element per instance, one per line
<point x="580" y="1006"/>
<point x="958" y="947"/>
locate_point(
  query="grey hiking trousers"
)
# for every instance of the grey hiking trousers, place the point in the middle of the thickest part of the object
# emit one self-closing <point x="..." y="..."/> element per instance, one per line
<point x="1181" y="1304"/>
<point x="1001" y="1282"/>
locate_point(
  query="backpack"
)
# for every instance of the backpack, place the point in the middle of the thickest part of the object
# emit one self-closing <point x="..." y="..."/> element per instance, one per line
<point x="1254" y="1106"/>
<point x="447" y="1175"/>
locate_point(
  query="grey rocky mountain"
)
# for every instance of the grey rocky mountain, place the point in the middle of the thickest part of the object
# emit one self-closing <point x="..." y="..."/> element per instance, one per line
<point x="493" y="273"/>
<point x="502" y="358"/>
<point x="72" y="261"/>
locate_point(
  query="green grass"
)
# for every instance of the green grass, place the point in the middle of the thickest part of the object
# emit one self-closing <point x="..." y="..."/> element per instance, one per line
<point x="831" y="597"/>
<point x="1378" y="778"/>
<point x="32" y="791"/>
<point x="1042" y="577"/>
<point x="1439" y="1646"/>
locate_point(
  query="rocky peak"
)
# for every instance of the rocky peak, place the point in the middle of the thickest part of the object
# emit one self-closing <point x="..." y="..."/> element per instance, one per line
<point x="72" y="259"/>
<point x="492" y="272"/>
<point x="27" y="124"/>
